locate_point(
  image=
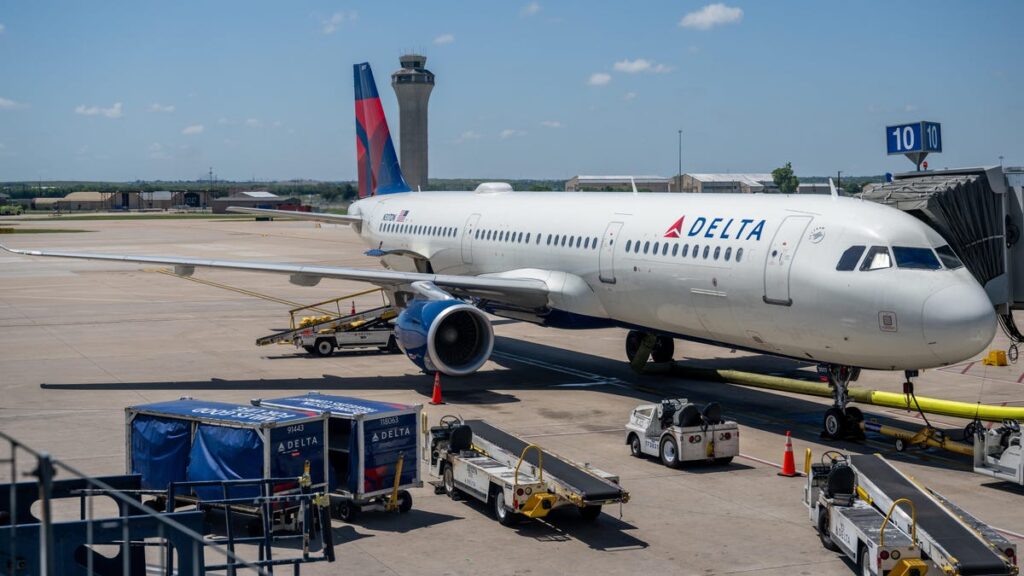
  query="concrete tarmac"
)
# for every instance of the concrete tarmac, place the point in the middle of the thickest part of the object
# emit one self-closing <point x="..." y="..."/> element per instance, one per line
<point x="80" y="341"/>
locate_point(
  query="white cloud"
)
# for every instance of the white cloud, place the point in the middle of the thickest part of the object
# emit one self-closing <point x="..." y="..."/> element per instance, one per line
<point x="510" y="132"/>
<point x="466" y="136"/>
<point x="910" y="108"/>
<point x="158" y="107"/>
<point x="530" y="9"/>
<point x="710" y="16"/>
<point x="223" y="121"/>
<point x="599" y="79"/>
<point x="277" y="124"/>
<point x="444" y="39"/>
<point x="6" y="104"/>
<point x="640" y="65"/>
<point x="629" y="96"/>
<point x="254" y="122"/>
<point x="551" y="124"/>
<point x="330" y="25"/>
<point x="115" y="111"/>
<point x="157" y="152"/>
<point x="193" y="129"/>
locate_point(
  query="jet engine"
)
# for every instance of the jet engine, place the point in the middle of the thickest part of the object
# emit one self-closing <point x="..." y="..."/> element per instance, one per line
<point x="447" y="336"/>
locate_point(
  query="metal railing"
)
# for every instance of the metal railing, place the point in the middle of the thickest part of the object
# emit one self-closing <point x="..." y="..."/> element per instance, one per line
<point x="45" y="547"/>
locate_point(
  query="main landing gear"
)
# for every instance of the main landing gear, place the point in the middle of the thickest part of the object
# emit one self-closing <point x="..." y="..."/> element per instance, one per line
<point x="841" y="421"/>
<point x="641" y="346"/>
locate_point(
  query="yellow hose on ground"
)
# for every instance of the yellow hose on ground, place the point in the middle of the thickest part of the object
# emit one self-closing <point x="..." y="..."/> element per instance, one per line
<point x="985" y="412"/>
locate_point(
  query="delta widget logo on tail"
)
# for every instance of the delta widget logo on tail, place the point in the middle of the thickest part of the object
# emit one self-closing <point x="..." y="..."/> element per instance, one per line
<point x="714" y="228"/>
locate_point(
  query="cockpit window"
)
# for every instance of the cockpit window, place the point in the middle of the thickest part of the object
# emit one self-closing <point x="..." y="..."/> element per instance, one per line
<point x="848" y="261"/>
<point x="948" y="257"/>
<point x="919" y="258"/>
<point x="878" y="257"/>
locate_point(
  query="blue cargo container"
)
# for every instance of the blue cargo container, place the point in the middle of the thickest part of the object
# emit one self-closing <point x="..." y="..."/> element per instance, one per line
<point x="191" y="440"/>
<point x="364" y="441"/>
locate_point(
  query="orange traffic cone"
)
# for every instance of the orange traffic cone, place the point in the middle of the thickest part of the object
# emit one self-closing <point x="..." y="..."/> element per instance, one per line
<point x="788" y="464"/>
<point x="435" y="398"/>
<point x="353" y="308"/>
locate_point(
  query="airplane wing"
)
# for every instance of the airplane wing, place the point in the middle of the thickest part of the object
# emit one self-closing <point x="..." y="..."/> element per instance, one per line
<point x="526" y="292"/>
<point x="296" y="215"/>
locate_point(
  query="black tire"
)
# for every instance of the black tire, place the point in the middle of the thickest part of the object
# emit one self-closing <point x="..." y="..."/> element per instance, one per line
<point x="664" y="350"/>
<point x="863" y="562"/>
<point x="854" y="415"/>
<point x="969" y="432"/>
<point x="590" y="513"/>
<point x="634" y="446"/>
<point x="633" y="340"/>
<point x="323" y="347"/>
<point x="723" y="461"/>
<point x="346" y="510"/>
<point x="834" y="424"/>
<point x="900" y="445"/>
<point x="823" y="531"/>
<point x="502" y="514"/>
<point x="448" y="481"/>
<point x="668" y="452"/>
<point x="404" y="501"/>
<point x="310" y="350"/>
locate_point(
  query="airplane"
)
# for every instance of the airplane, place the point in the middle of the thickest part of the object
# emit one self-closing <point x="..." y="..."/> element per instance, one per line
<point x="832" y="280"/>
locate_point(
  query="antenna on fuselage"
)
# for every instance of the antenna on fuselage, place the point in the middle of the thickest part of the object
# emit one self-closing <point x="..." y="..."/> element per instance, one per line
<point x="632" y="183"/>
<point x="832" y="188"/>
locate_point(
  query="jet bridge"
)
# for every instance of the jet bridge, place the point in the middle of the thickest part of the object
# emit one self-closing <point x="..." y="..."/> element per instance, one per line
<point x="980" y="212"/>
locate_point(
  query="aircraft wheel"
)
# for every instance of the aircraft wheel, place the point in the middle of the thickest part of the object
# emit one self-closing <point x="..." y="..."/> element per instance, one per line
<point x="633" y="340"/>
<point x="664" y="349"/>
<point x="834" y="424"/>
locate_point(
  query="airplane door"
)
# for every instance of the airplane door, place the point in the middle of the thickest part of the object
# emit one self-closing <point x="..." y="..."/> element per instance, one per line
<point x="779" y="259"/>
<point x="467" y="238"/>
<point x="606" y="259"/>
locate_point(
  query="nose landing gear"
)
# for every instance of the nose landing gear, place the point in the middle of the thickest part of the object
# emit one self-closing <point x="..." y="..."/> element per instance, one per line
<point x="841" y="421"/>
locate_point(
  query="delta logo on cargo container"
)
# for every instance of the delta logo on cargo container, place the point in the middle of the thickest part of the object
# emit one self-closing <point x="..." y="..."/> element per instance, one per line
<point x="714" y="228"/>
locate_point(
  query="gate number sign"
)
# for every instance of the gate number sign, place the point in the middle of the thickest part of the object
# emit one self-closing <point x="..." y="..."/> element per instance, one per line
<point x="913" y="138"/>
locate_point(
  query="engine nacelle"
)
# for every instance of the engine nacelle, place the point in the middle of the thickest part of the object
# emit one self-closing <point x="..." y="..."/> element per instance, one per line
<point x="446" y="336"/>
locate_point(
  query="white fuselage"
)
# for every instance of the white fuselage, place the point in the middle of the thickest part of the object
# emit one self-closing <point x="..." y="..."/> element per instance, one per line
<point x="751" y="271"/>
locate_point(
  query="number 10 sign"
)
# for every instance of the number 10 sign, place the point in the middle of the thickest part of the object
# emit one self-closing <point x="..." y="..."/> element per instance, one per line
<point x="915" y="140"/>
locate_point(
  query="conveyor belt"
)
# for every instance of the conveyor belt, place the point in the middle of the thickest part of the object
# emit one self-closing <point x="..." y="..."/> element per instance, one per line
<point x="591" y="487"/>
<point x="974" y="556"/>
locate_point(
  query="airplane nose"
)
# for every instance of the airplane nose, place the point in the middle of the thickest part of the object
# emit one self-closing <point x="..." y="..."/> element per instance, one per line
<point x="959" y="321"/>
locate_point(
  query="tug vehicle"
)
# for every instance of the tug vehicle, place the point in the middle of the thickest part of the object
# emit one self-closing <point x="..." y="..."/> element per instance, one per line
<point x="678" y="431"/>
<point x="997" y="452"/>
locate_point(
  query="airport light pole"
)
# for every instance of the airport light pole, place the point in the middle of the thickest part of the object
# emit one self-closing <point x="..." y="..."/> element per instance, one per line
<point x="839" y="179"/>
<point x="679" y="173"/>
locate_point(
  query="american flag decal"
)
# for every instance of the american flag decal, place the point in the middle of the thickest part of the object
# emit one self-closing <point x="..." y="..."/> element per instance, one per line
<point x="402" y="215"/>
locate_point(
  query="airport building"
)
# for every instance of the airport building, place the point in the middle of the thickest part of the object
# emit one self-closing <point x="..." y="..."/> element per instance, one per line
<point x="617" y="184"/>
<point x="728" y="183"/>
<point x="127" y="200"/>
<point x="413" y="84"/>
<point x="253" y="199"/>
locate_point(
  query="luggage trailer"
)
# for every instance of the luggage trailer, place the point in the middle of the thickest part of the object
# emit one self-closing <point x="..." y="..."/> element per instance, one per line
<point x="860" y="505"/>
<point x="515" y="478"/>
<point x="372" y="450"/>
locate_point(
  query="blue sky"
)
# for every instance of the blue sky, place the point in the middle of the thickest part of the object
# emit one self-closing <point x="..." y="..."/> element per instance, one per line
<point x="164" y="90"/>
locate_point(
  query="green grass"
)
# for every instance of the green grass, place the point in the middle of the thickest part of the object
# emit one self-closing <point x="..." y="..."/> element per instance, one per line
<point x="12" y="230"/>
<point x="86" y="217"/>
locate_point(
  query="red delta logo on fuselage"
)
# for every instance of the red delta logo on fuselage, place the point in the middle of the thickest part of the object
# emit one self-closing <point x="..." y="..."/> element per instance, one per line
<point x="721" y="228"/>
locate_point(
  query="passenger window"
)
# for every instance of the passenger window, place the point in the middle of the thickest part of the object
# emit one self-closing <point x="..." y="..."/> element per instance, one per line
<point x="528" y="234"/>
<point x="571" y="240"/>
<point x="655" y="249"/>
<point x="718" y="250"/>
<point x="918" y="258"/>
<point x="586" y="243"/>
<point x="739" y="254"/>
<point x="594" y="243"/>
<point x="696" y="250"/>
<point x="578" y="240"/>
<point x="686" y="250"/>
<point x="848" y="261"/>
<point x="878" y="258"/>
<point x="664" y="249"/>
<point x="706" y="250"/>
<point x="647" y="246"/>
<point x="948" y="257"/>
<point x="636" y="247"/>
<point x="563" y="240"/>
<point x="675" y="249"/>
<point x="521" y="238"/>
<point x="549" y="239"/>
<point x="728" y="253"/>
<point x="629" y="244"/>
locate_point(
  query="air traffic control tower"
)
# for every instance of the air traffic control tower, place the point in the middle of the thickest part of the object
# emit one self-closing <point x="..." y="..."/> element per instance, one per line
<point x="412" y="85"/>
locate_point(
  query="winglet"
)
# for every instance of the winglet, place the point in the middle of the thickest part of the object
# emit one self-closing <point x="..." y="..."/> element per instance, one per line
<point x="632" y="182"/>
<point x="832" y="188"/>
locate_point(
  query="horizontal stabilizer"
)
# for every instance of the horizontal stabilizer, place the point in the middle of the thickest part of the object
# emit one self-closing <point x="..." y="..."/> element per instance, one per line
<point x="295" y="215"/>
